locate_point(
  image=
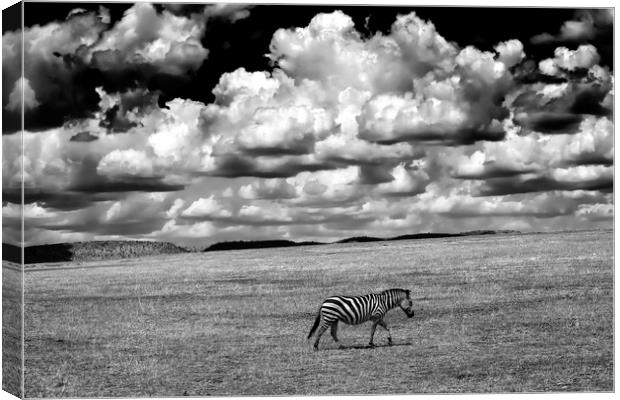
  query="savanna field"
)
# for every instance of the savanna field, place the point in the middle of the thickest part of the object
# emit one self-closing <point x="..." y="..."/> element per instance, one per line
<point x="498" y="313"/>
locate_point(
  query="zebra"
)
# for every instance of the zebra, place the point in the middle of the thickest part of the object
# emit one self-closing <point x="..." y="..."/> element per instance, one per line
<point x="359" y="309"/>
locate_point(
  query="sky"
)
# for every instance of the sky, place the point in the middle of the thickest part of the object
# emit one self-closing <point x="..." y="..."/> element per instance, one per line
<point x="201" y="123"/>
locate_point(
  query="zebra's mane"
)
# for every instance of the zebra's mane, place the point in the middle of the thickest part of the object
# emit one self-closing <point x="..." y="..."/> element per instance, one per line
<point x="404" y="291"/>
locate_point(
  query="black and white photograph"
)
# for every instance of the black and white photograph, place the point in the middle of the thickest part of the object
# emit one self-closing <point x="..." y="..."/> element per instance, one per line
<point x="226" y="199"/>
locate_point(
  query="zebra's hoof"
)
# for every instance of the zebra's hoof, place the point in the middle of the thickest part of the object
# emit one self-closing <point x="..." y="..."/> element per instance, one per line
<point x="390" y="342"/>
<point x="341" y="347"/>
<point x="371" y="344"/>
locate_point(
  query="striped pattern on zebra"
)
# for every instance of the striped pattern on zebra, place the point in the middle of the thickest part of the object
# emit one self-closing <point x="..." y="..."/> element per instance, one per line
<point x="358" y="309"/>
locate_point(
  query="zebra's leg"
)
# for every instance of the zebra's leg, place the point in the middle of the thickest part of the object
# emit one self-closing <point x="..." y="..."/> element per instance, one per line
<point x="384" y="325"/>
<point x="334" y="331"/>
<point x="320" y="332"/>
<point x="372" y="332"/>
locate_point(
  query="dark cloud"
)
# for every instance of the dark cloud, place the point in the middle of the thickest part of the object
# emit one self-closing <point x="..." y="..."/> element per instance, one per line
<point x="68" y="59"/>
<point x="84" y="137"/>
<point x="590" y="158"/>
<point x="58" y="200"/>
<point x="122" y="228"/>
<point x="505" y="186"/>
<point x="564" y="113"/>
<point x="126" y="184"/>
<point x="375" y="174"/>
<point x="528" y="72"/>
<point x="550" y="121"/>
<point x="445" y="137"/>
<point x="235" y="166"/>
<point x="117" y="108"/>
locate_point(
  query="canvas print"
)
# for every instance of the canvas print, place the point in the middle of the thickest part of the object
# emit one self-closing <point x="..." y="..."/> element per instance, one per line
<point x="216" y="199"/>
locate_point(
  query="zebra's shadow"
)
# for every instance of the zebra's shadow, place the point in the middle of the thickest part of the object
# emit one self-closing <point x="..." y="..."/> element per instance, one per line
<point x="366" y="347"/>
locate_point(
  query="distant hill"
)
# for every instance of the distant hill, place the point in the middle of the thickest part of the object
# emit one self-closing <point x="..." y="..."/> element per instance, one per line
<point x="426" y="236"/>
<point x="360" y="239"/>
<point x="88" y="251"/>
<point x="111" y="249"/>
<point x="256" y="244"/>
<point x="11" y="253"/>
<point x="263" y="244"/>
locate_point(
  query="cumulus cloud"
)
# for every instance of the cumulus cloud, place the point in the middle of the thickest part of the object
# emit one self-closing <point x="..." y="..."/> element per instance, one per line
<point x="232" y="12"/>
<point x="264" y="213"/>
<point x="67" y="59"/>
<point x="276" y="188"/>
<point x="510" y="52"/>
<point x="346" y="134"/>
<point x="596" y="177"/>
<point x="528" y="160"/>
<point x="125" y="162"/>
<point x="326" y="187"/>
<point x="22" y="91"/>
<point x="405" y="181"/>
<point x="455" y="89"/>
<point x="167" y="42"/>
<point x="560" y="108"/>
<point x="584" y="57"/>
<point x="599" y="211"/>
<point x="175" y="209"/>
<point x="206" y="208"/>
<point x="586" y="26"/>
<point x="174" y="232"/>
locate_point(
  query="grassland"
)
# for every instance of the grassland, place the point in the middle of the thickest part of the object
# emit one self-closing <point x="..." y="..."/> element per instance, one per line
<point x="11" y="327"/>
<point x="524" y="313"/>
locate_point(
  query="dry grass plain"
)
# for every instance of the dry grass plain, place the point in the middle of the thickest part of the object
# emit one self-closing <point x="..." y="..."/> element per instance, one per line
<point x="11" y="327"/>
<point x="524" y="313"/>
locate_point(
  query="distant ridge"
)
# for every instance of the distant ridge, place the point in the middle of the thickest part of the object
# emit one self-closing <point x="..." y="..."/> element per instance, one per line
<point x="88" y="251"/>
<point x="360" y="239"/>
<point x="256" y="244"/>
<point x="111" y="249"/>
<point x="263" y="244"/>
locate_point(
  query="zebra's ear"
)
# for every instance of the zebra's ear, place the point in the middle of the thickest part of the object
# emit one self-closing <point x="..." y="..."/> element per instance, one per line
<point x="408" y="293"/>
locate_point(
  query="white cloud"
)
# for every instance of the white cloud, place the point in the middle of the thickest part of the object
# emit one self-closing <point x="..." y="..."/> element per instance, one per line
<point x="30" y="211"/>
<point x="130" y="162"/>
<point x="284" y="130"/>
<point x="163" y="40"/>
<point x="177" y="139"/>
<point x="548" y="67"/>
<point x="510" y="52"/>
<point x="22" y="89"/>
<point x="582" y="173"/>
<point x="233" y="12"/>
<point x="406" y="182"/>
<point x="586" y="25"/>
<point x="206" y="208"/>
<point x="585" y="56"/>
<point x="538" y="152"/>
<point x="348" y="134"/>
<point x="325" y="186"/>
<point x="265" y="212"/>
<point x="59" y="51"/>
<point x="113" y="211"/>
<point x="267" y="189"/>
<point x="175" y="209"/>
<point x="596" y="211"/>
<point x="199" y="230"/>
<point x="553" y="90"/>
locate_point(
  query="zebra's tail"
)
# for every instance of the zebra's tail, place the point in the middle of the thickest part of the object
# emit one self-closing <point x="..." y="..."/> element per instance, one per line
<point x="316" y="324"/>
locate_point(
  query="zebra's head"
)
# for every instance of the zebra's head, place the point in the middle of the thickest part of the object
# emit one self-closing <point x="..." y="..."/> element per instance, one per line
<point x="406" y="304"/>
